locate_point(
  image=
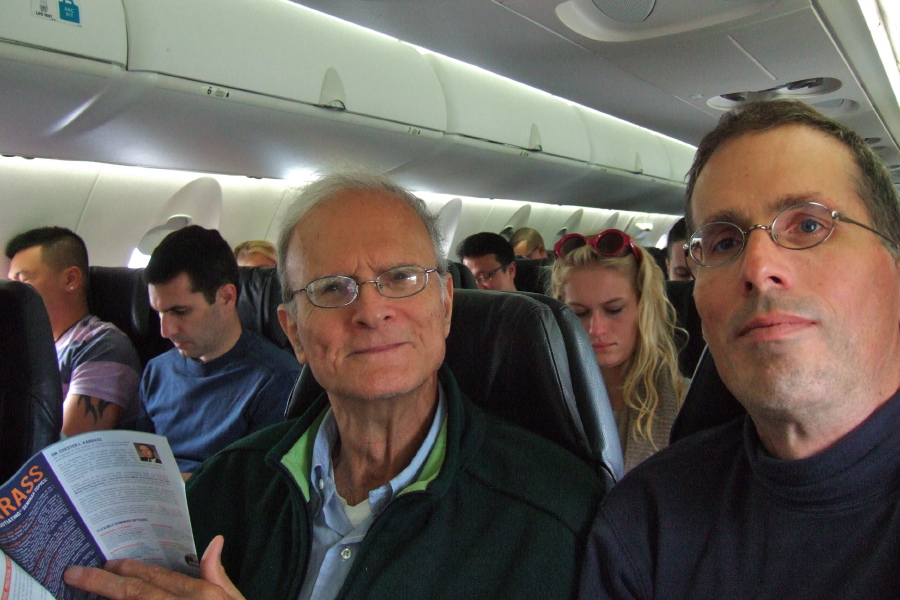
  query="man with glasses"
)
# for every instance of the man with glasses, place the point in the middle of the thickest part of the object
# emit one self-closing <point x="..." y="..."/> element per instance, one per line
<point x="795" y="224"/>
<point x="392" y="484"/>
<point x="491" y="259"/>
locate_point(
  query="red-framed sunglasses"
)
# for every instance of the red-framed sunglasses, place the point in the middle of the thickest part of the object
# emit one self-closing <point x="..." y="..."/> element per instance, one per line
<point x="611" y="242"/>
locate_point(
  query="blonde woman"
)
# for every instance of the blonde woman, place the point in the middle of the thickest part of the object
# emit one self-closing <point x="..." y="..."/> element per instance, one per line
<point x="617" y="290"/>
<point x="255" y="253"/>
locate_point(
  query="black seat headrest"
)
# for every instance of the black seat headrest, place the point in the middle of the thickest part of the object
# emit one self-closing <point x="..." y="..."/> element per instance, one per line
<point x="707" y="404"/>
<point x="462" y="276"/>
<point x="31" y="391"/>
<point x="681" y="295"/>
<point x="258" y="300"/>
<point x="118" y="295"/>
<point x="533" y="274"/>
<point x="510" y="357"/>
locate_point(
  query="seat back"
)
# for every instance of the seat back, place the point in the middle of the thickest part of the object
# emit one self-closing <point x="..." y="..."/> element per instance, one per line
<point x="681" y="295"/>
<point x="118" y="295"/>
<point x="258" y="299"/>
<point x="31" y="392"/>
<point x="707" y="404"/>
<point x="462" y="276"/>
<point x="511" y="357"/>
<point x="532" y="274"/>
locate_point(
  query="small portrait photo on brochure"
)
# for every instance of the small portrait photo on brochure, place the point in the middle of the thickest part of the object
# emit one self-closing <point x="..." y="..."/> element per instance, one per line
<point x="147" y="453"/>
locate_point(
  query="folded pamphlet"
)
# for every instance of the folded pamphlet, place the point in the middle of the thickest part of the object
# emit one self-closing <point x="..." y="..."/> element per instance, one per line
<point x="89" y="499"/>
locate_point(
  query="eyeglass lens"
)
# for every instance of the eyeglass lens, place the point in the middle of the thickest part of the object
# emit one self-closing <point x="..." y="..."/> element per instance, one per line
<point x="337" y="290"/>
<point x="797" y="227"/>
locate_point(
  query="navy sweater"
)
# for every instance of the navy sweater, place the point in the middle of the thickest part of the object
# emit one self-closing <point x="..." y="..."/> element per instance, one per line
<point x="715" y="517"/>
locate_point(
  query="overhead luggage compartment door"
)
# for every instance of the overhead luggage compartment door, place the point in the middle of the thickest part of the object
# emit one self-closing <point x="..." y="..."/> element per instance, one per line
<point x="325" y="93"/>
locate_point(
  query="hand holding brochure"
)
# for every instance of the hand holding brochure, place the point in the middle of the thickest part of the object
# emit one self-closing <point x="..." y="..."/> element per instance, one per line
<point x="92" y="498"/>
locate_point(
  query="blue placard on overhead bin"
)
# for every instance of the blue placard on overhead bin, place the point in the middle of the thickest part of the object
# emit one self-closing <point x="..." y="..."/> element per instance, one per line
<point x="68" y="11"/>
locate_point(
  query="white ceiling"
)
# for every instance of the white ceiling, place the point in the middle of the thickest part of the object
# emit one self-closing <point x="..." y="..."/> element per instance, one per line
<point x="659" y="73"/>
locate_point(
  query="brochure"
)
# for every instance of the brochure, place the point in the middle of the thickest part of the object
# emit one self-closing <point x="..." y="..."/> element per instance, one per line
<point x="89" y="499"/>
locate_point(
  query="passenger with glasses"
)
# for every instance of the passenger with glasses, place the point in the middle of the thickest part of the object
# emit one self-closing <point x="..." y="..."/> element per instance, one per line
<point x="617" y="291"/>
<point x="795" y="226"/>
<point x="392" y="484"/>
<point x="491" y="259"/>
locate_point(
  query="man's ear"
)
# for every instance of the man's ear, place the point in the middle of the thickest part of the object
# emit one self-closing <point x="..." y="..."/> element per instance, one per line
<point x="448" y="305"/>
<point x="511" y="269"/>
<point x="73" y="278"/>
<point x="227" y="294"/>
<point x="289" y="326"/>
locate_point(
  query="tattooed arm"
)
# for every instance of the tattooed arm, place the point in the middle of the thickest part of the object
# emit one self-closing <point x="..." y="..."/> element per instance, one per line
<point x="84" y="413"/>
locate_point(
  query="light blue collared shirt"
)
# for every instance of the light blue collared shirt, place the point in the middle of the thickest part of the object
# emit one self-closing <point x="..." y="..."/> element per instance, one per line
<point x="336" y="540"/>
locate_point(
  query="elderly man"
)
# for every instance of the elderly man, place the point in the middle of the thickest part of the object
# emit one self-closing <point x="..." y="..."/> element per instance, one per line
<point x="491" y="259"/>
<point x="99" y="367"/>
<point x="796" y="223"/>
<point x="392" y="484"/>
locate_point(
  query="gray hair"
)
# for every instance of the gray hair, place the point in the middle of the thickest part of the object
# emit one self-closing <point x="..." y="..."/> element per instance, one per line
<point x="332" y="185"/>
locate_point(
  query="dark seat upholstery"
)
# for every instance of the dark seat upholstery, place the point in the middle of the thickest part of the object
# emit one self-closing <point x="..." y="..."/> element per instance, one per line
<point x="512" y="358"/>
<point x="532" y="274"/>
<point x="681" y="295"/>
<point x="707" y="404"/>
<point x="258" y="300"/>
<point x="119" y="296"/>
<point x="31" y="392"/>
<point x="462" y="276"/>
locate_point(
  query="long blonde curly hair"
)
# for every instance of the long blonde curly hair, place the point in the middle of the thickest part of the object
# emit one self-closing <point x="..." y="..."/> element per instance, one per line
<point x="654" y="362"/>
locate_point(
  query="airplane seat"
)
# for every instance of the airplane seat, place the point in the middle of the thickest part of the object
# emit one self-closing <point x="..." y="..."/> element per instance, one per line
<point x="707" y="404"/>
<point x="511" y="357"/>
<point x="258" y="300"/>
<point x="118" y="295"/>
<point x="31" y="393"/>
<point x="533" y="274"/>
<point x="462" y="276"/>
<point x="681" y="295"/>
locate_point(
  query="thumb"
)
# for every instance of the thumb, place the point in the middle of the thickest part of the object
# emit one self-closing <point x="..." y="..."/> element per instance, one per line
<point x="211" y="568"/>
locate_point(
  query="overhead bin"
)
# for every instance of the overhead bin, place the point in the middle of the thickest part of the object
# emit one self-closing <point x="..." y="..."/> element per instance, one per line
<point x="92" y="29"/>
<point x="484" y="106"/>
<point x="284" y="50"/>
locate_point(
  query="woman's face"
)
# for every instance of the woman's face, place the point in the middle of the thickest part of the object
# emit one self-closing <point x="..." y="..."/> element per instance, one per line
<point x="607" y="305"/>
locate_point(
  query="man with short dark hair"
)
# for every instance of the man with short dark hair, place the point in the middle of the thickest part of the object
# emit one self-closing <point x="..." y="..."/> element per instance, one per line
<point x="527" y="242"/>
<point x="798" y="285"/>
<point x="678" y="267"/>
<point x="491" y="259"/>
<point x="220" y="382"/>
<point x="392" y="484"/>
<point x="98" y="365"/>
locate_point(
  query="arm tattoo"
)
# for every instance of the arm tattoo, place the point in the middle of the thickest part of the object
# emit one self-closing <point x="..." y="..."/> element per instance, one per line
<point x="95" y="411"/>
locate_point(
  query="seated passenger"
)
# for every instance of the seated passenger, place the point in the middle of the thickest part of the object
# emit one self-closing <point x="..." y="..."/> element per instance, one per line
<point x="678" y="266"/>
<point x="528" y="243"/>
<point x="99" y="366"/>
<point x="220" y="382"/>
<point x="491" y="259"/>
<point x="796" y="223"/>
<point x="255" y="253"/>
<point x="392" y="484"/>
<point x="616" y="289"/>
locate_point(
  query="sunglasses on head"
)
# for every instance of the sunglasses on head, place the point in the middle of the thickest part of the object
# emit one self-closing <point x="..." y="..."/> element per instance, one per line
<point x="611" y="242"/>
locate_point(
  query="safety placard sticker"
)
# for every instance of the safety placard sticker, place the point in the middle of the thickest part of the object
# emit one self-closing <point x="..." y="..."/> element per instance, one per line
<point x="62" y="11"/>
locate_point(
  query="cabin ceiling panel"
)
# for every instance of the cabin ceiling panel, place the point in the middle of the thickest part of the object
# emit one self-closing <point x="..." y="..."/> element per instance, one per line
<point x="56" y="193"/>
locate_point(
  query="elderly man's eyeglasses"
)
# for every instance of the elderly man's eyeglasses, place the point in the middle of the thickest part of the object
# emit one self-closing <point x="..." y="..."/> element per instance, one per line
<point x="485" y="277"/>
<point x="334" y="291"/>
<point x="611" y="242"/>
<point x="797" y="227"/>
